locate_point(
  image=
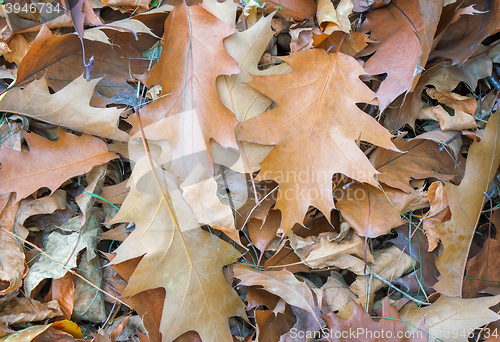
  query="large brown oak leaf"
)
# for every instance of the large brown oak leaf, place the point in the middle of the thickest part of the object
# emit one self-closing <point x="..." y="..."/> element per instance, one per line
<point x="193" y="56"/>
<point x="314" y="128"/>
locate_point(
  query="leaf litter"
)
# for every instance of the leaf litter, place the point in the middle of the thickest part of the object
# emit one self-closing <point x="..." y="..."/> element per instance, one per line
<point x="282" y="171"/>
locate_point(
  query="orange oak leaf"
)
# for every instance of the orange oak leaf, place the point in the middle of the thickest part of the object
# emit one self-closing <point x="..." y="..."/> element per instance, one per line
<point x="60" y="58"/>
<point x="466" y="202"/>
<point x="314" y="128"/>
<point x="398" y="50"/>
<point x="49" y="163"/>
<point x="193" y="56"/>
<point x="372" y="211"/>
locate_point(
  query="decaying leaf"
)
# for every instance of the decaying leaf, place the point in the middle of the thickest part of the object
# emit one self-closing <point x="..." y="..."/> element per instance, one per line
<point x="367" y="329"/>
<point x="482" y="270"/>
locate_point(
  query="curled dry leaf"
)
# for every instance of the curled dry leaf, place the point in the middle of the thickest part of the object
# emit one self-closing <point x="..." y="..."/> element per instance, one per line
<point x="23" y="310"/>
<point x="460" y="121"/>
<point x="294" y="9"/>
<point x="281" y="283"/>
<point x="244" y="101"/>
<point x="368" y="330"/>
<point x="443" y="77"/>
<point x="188" y="47"/>
<point x="390" y="263"/>
<point x="12" y="257"/>
<point x="439" y="212"/>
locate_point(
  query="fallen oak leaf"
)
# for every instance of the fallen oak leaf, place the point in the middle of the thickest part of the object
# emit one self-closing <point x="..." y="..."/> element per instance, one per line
<point x="310" y="121"/>
<point x="460" y="121"/>
<point x="50" y="163"/>
<point x="61" y="58"/>
<point x="482" y="270"/>
<point x="372" y="211"/>
<point x="23" y="310"/>
<point x="281" y="283"/>
<point x="185" y="260"/>
<point x="423" y="158"/>
<point x="463" y="37"/>
<point x="397" y="51"/>
<point x="439" y="212"/>
<point x="450" y="319"/>
<point x="187" y="48"/>
<point x="366" y="330"/>
<point x="466" y="202"/>
<point x="390" y="263"/>
<point x="443" y="77"/>
<point x="69" y="107"/>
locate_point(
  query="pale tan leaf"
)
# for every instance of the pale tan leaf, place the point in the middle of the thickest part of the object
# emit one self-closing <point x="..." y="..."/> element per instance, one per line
<point x="451" y="319"/>
<point x="69" y="107"/>
<point x="199" y="190"/>
<point x="466" y="202"/>
<point x="390" y="263"/>
<point x="176" y="255"/>
<point x="281" y="283"/>
<point x="458" y="122"/>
